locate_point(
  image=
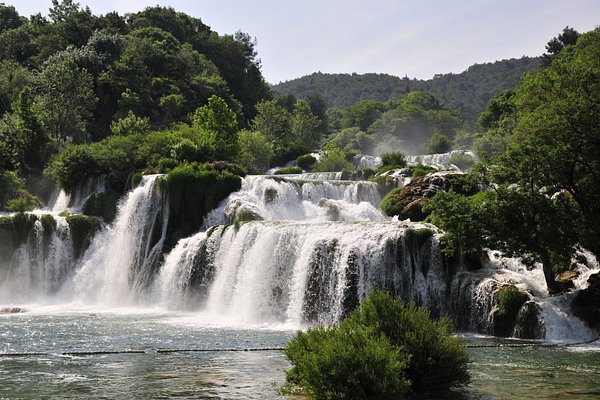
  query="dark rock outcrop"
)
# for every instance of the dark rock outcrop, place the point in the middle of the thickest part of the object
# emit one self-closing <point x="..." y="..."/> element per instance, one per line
<point x="586" y="305"/>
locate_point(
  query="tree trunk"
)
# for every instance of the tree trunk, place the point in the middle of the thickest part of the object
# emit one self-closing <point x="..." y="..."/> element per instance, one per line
<point x="553" y="286"/>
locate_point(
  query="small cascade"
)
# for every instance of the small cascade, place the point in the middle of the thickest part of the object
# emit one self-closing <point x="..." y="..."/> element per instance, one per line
<point x="442" y="161"/>
<point x="299" y="198"/>
<point x="123" y="259"/>
<point x="75" y="201"/>
<point x="39" y="261"/>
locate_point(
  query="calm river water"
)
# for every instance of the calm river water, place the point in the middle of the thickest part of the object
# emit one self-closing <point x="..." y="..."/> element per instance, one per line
<point x="497" y="373"/>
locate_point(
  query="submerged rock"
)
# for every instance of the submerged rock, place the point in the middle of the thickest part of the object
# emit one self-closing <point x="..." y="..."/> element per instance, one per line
<point x="12" y="310"/>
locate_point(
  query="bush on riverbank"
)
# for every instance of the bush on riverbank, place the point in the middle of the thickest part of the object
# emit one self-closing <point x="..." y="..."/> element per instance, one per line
<point x="384" y="349"/>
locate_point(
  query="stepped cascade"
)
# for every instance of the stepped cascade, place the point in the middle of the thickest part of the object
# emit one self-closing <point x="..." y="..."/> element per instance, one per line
<point x="290" y="250"/>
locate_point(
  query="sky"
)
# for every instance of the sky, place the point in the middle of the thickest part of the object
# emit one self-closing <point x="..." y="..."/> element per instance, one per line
<point x="414" y="38"/>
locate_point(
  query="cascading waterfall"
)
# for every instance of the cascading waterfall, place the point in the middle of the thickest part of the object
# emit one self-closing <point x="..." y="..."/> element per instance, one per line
<point x="299" y="250"/>
<point x="40" y="264"/>
<point x="75" y="201"/>
<point x="299" y="198"/>
<point x="302" y="272"/>
<point x="122" y="259"/>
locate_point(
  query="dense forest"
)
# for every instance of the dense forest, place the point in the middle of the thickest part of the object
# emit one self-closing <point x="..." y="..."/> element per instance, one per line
<point x="468" y="92"/>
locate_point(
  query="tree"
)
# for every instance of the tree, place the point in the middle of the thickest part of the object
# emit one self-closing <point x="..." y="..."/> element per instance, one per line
<point x="558" y="129"/>
<point x="255" y="151"/>
<point x="67" y="99"/>
<point x="219" y="124"/>
<point x="304" y="128"/>
<point x="568" y="37"/>
<point x="9" y="18"/>
<point x="61" y="10"/>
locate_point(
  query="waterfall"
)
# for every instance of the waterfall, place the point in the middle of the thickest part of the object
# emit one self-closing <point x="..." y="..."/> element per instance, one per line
<point x="122" y="259"/>
<point x="299" y="198"/>
<point x="40" y="263"/>
<point x="292" y="250"/>
<point x="442" y="161"/>
<point x="75" y="201"/>
<point x="303" y="272"/>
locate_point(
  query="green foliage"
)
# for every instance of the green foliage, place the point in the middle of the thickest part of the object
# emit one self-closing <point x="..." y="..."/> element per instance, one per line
<point x="391" y="160"/>
<point x="130" y="125"/>
<point x="353" y="140"/>
<point x="347" y="362"/>
<point x="332" y="159"/>
<point x="462" y="220"/>
<point x="510" y="299"/>
<point x="67" y="98"/>
<point x="306" y="161"/>
<point x="384" y="349"/>
<point x="289" y="170"/>
<point x="462" y="160"/>
<point x="292" y="133"/>
<point x="24" y="201"/>
<point x="499" y="110"/>
<point x="438" y="144"/>
<point x="394" y="158"/>
<point x="219" y="127"/>
<point x="422" y="170"/>
<point x="10" y="183"/>
<point x="255" y="151"/>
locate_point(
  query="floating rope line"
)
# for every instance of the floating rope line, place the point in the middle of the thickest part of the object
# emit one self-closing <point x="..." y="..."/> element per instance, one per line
<point x="480" y="346"/>
<point x="93" y="353"/>
<point x="258" y="349"/>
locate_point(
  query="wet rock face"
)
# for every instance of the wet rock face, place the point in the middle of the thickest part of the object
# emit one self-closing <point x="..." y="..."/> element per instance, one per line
<point x="586" y="305"/>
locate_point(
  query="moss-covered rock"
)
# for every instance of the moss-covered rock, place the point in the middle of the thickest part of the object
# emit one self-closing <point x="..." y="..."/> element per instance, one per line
<point x="408" y="202"/>
<point x="193" y="190"/>
<point x="509" y="300"/>
<point x="586" y="305"/>
<point x="102" y="205"/>
<point x="83" y="228"/>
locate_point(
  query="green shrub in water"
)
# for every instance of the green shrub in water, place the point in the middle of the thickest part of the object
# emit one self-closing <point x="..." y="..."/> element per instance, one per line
<point x="306" y="161"/>
<point x="289" y="170"/>
<point x="384" y="349"/>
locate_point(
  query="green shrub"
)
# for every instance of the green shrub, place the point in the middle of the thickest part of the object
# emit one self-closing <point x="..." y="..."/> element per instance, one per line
<point x="510" y="299"/>
<point x="393" y="203"/>
<point x="384" y="349"/>
<point x="166" y="164"/>
<point x="10" y="183"/>
<point x="24" y="201"/>
<point x="289" y="170"/>
<point x="462" y="160"/>
<point x="333" y="159"/>
<point x="422" y="170"/>
<point x="394" y="158"/>
<point x="306" y="161"/>
<point x="347" y="362"/>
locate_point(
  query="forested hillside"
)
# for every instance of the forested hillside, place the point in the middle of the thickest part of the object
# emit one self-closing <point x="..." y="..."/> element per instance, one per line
<point x="467" y="92"/>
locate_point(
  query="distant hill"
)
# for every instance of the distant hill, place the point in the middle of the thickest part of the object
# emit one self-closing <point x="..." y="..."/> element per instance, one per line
<point x="467" y="92"/>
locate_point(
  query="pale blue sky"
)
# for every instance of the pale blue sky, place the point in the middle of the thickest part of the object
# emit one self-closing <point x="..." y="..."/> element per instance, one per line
<point x="417" y="38"/>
